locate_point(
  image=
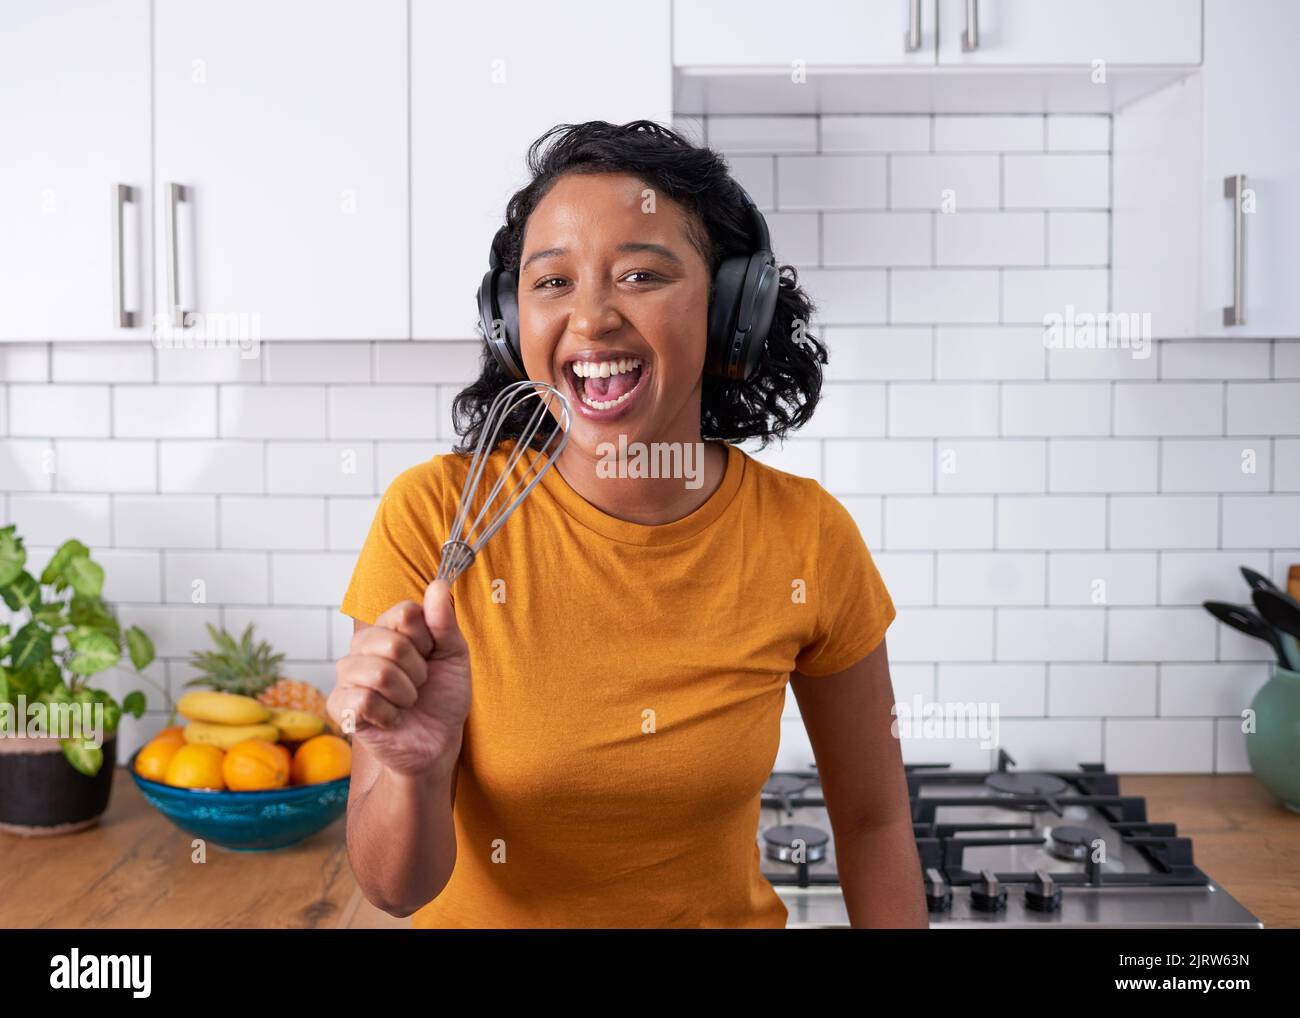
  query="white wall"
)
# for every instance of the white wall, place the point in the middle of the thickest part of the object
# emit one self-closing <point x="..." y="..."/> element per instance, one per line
<point x="995" y="481"/>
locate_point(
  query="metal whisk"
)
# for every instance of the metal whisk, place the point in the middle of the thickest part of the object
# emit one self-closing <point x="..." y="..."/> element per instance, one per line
<point x="466" y="538"/>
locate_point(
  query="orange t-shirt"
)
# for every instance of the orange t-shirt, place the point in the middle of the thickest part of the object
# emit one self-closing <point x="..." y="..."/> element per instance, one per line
<point x="627" y="687"/>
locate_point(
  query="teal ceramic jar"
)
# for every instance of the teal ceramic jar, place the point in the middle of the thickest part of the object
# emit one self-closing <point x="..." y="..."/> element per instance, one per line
<point x="1274" y="747"/>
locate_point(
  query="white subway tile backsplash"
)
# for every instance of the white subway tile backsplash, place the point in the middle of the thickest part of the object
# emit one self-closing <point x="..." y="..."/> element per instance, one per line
<point x="847" y="296"/>
<point x="1017" y="690"/>
<point x="988" y="134"/>
<point x="850" y="409"/>
<point x="882" y="353"/>
<point x="996" y="579"/>
<point x="944" y="183"/>
<point x="176" y="630"/>
<point x="273" y="523"/>
<point x="1164" y="522"/>
<point x="1190" y="577"/>
<point x="130" y="575"/>
<point x="947" y="296"/>
<point x="1263" y="408"/>
<point x="1201" y="690"/>
<point x="875" y="134"/>
<point x="1286" y="464"/>
<point x="1101" y="577"/>
<point x="1168" y="408"/>
<point x="1031" y="295"/>
<point x="27" y="464"/>
<point x="1077" y="363"/>
<point x="53" y="519"/>
<point x="310" y="578"/>
<point x="876" y="239"/>
<point x="1101" y="690"/>
<point x="942" y="634"/>
<point x="459" y="362"/>
<point x="105" y="466"/>
<point x="1215" y="464"/>
<point x="280" y="411"/>
<point x="991" y="467"/>
<point x="168" y="521"/>
<point x="164" y="411"/>
<point x="1103" y="465"/>
<point x="888" y="467"/>
<point x="390" y="411"/>
<point x="1214" y="362"/>
<point x="24" y="362"/>
<point x="922" y="524"/>
<point x="989" y="352"/>
<point x="100" y="362"/>
<point x="1051" y="634"/>
<point x="391" y="458"/>
<point x="1260" y="521"/>
<point x="348" y="521"/>
<point x="796" y="239"/>
<point x="1159" y="746"/>
<point x="1056" y="181"/>
<point x="762" y="134"/>
<point x="1056" y="409"/>
<point x="225" y="577"/>
<point x="1051" y="522"/>
<point x="318" y="362"/>
<point x="59" y="411"/>
<point x="1078" y="133"/>
<point x="932" y="410"/>
<point x="1286" y="359"/>
<point x="989" y="238"/>
<point x="830" y="182"/>
<point x="1078" y="238"/>
<point x="320" y="468"/>
<point x="228" y="467"/>
<point x="908" y="576"/>
<point x="298" y="633"/>
<point x="868" y="513"/>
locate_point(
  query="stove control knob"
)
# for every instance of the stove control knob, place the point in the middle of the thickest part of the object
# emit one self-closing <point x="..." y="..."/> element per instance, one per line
<point x="1042" y="894"/>
<point x="938" y="895"/>
<point x="987" y="894"/>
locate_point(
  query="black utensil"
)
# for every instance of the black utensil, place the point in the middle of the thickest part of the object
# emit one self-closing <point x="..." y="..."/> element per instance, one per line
<point x="1257" y="581"/>
<point x="1290" y="641"/>
<point x="1278" y="609"/>
<point x="1242" y="619"/>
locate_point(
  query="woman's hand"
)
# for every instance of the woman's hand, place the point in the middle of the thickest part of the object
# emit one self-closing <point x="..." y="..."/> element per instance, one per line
<point x="403" y="689"/>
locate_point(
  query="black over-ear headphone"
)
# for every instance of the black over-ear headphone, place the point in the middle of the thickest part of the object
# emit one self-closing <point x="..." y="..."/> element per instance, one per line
<point x="742" y="304"/>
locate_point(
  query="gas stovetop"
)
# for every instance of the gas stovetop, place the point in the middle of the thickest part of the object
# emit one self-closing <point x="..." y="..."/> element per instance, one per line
<point x="1006" y="848"/>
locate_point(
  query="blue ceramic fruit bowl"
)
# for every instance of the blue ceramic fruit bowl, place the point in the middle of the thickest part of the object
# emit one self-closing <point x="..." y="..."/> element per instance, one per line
<point x="248" y="821"/>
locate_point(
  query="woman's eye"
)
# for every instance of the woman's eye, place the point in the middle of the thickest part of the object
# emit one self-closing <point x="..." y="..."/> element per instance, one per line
<point x="642" y="272"/>
<point x="541" y="283"/>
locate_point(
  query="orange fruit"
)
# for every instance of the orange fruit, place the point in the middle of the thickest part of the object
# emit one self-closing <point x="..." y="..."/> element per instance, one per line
<point x="255" y="765"/>
<point x="196" y="765"/>
<point x="174" y="732"/>
<point x="152" y="760"/>
<point x="322" y="758"/>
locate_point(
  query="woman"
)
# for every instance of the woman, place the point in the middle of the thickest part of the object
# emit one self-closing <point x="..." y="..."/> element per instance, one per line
<point x="580" y="738"/>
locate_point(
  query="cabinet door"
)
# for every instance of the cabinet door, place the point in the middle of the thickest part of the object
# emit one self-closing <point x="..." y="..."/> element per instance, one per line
<point x="285" y="126"/>
<point x="762" y="33"/>
<point x="1251" y="83"/>
<point x="487" y="79"/>
<point x="74" y="124"/>
<point x="1055" y="32"/>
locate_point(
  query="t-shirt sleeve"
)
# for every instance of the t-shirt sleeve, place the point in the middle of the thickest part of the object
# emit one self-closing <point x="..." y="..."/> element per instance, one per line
<point x="400" y="555"/>
<point x="853" y="607"/>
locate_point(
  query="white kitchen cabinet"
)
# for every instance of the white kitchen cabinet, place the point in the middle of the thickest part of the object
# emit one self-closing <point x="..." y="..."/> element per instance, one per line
<point x="1065" y="32"/>
<point x="777" y="33"/>
<point x="285" y="126"/>
<point x="1175" y="229"/>
<point x="74" y="129"/>
<point x="487" y="79"/>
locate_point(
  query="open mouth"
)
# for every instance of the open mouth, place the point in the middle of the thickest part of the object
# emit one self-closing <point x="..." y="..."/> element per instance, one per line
<point x="608" y="385"/>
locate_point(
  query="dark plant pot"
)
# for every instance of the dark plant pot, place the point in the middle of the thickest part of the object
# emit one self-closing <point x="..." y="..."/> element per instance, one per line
<point x="42" y="794"/>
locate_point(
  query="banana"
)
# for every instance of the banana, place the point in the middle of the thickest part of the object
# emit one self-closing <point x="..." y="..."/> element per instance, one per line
<point x="297" y="725"/>
<point x="223" y="708"/>
<point x="225" y="736"/>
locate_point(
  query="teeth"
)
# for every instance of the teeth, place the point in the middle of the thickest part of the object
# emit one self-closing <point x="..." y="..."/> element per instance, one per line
<point x="597" y="404"/>
<point x="603" y="369"/>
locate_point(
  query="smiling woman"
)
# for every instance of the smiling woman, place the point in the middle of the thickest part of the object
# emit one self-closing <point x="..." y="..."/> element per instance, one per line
<point x="581" y="739"/>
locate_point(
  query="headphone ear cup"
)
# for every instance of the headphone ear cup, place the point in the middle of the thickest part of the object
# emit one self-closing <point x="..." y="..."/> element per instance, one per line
<point x="765" y="289"/>
<point x="724" y="308"/>
<point x="499" y="319"/>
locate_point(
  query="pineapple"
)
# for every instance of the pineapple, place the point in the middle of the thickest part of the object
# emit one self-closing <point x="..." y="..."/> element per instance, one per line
<point x="252" y="670"/>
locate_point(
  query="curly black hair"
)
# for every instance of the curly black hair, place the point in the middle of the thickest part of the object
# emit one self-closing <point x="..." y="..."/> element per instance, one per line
<point x="784" y="389"/>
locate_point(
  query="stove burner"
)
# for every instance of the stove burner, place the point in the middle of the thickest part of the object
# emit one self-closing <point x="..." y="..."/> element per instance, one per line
<point x="780" y="843"/>
<point x="1073" y="843"/>
<point x="1016" y="783"/>
<point x="785" y="785"/>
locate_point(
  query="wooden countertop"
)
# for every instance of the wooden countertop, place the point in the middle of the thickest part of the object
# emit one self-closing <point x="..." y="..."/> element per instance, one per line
<point x="133" y="869"/>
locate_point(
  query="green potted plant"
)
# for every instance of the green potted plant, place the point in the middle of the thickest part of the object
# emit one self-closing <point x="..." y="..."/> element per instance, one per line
<point x="57" y="730"/>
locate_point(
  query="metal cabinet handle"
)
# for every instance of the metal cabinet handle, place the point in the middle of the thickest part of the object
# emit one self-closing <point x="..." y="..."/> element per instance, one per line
<point x="970" y="39"/>
<point x="1235" y="313"/>
<point x="175" y="195"/>
<point x="912" y="40"/>
<point x="122" y="318"/>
